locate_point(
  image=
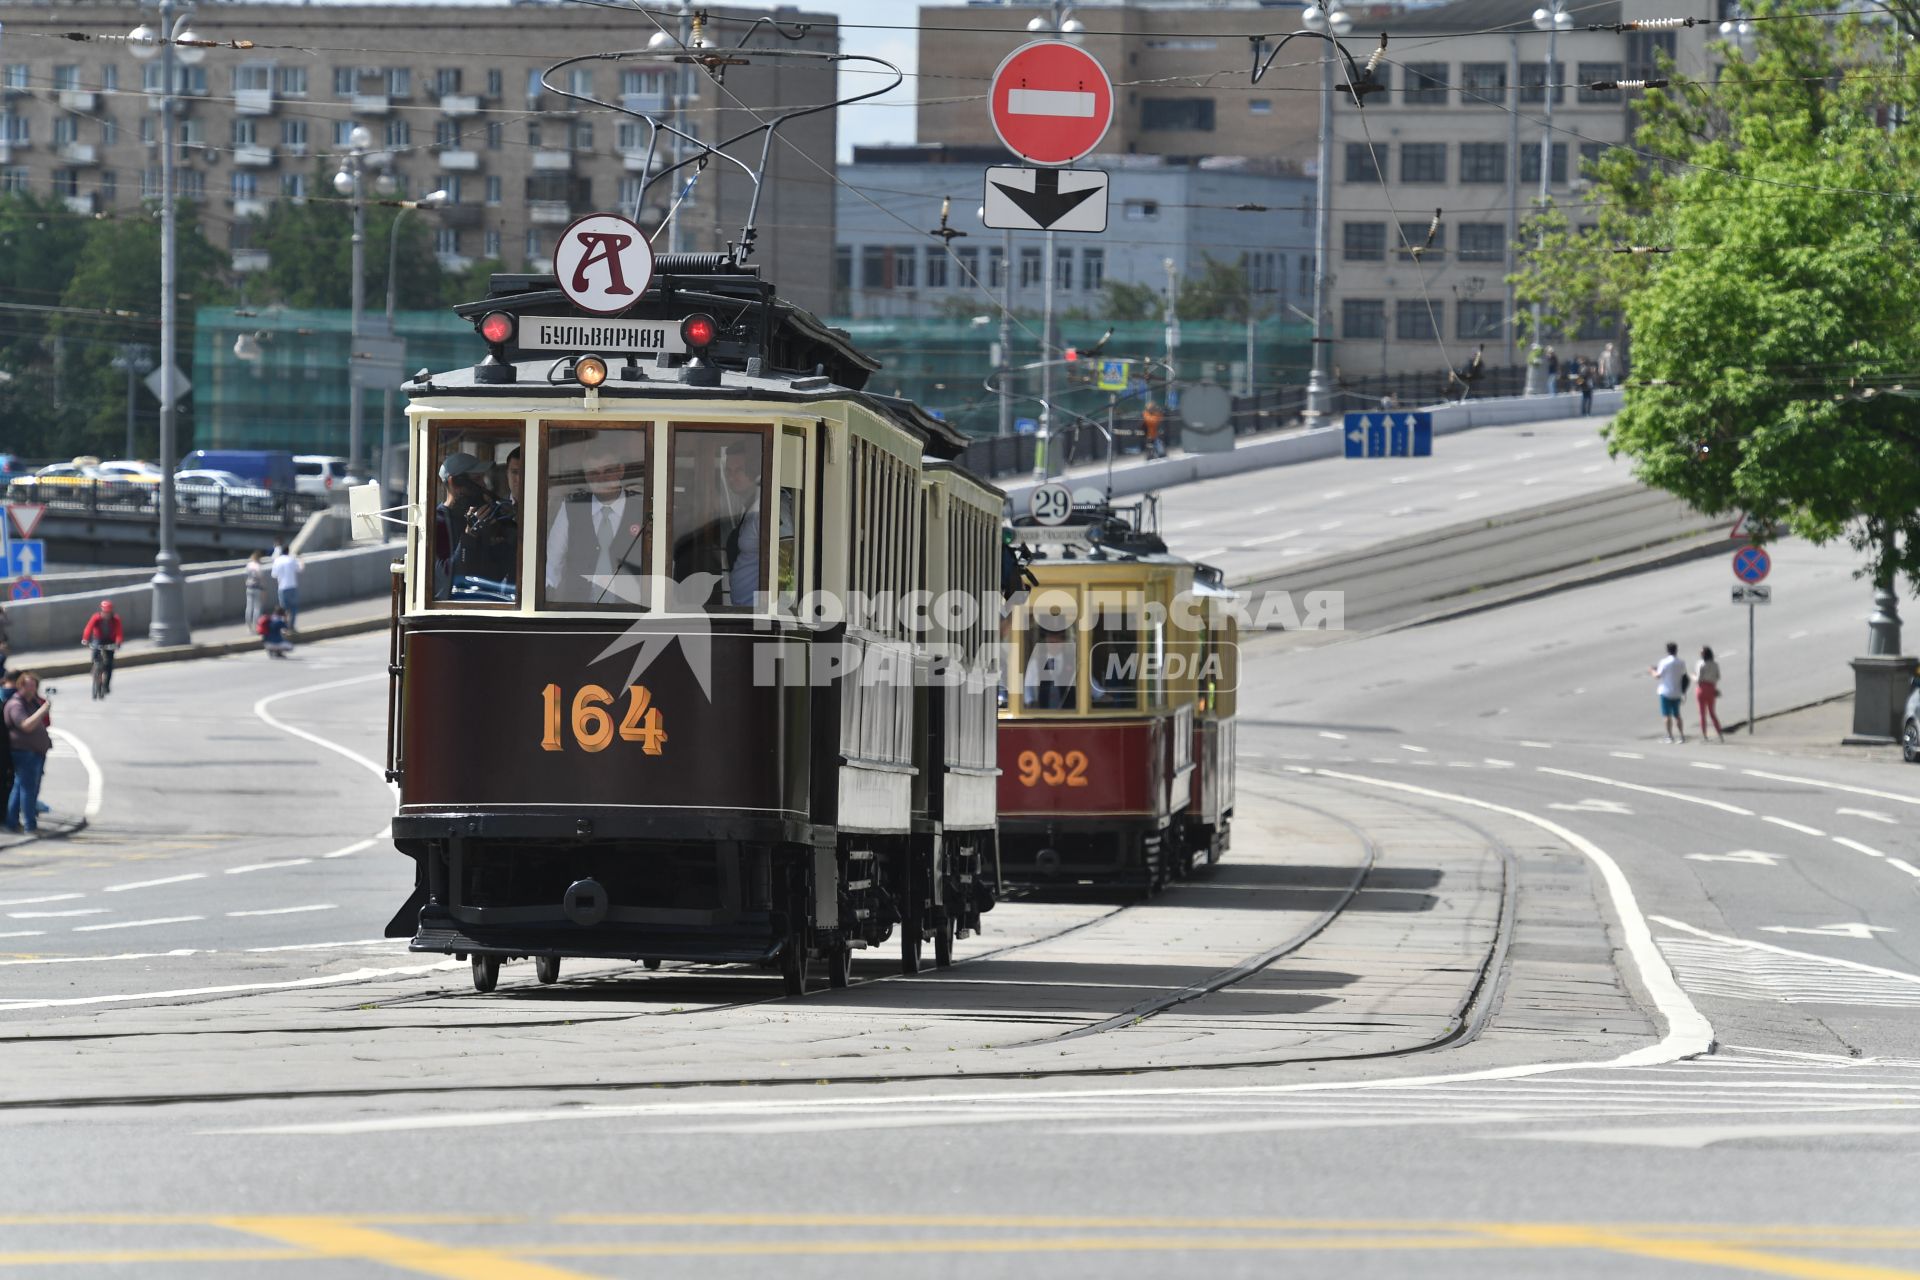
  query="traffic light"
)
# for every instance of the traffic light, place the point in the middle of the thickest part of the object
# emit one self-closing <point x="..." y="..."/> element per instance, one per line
<point x="497" y="329"/>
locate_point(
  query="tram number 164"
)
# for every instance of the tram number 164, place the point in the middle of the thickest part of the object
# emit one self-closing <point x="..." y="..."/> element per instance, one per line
<point x="1053" y="768"/>
<point x="592" y="721"/>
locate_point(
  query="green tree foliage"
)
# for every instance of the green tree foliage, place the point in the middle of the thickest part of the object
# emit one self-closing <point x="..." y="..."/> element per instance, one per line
<point x="1772" y="306"/>
<point x="1126" y="301"/>
<point x="309" y="246"/>
<point x="40" y="241"/>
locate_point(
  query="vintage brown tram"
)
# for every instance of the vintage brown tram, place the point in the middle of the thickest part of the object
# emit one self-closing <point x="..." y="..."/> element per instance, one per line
<point x="632" y="718"/>
<point x="1117" y="719"/>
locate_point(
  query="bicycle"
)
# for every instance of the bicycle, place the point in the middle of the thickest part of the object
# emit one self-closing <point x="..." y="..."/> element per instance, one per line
<point x="102" y="669"/>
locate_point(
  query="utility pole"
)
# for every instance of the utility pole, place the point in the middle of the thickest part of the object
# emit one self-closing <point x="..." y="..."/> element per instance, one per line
<point x="1006" y="331"/>
<point x="1552" y="21"/>
<point x="1047" y="348"/>
<point x="1170" y="314"/>
<point x="1332" y="22"/>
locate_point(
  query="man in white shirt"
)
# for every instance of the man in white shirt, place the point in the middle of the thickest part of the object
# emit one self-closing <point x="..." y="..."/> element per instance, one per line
<point x="596" y="532"/>
<point x="1670" y="672"/>
<point x="286" y="577"/>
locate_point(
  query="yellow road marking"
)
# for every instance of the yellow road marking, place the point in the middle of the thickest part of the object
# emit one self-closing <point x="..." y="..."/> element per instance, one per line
<point x="1703" y="1252"/>
<point x="1008" y="1244"/>
<point x="49" y="1257"/>
<point x="341" y="1238"/>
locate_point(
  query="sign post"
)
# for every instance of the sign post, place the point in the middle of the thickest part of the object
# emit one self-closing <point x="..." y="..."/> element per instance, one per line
<point x="1751" y="565"/>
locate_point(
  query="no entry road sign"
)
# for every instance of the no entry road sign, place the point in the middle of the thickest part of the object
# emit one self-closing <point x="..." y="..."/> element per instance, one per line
<point x="1051" y="102"/>
<point x="1752" y="564"/>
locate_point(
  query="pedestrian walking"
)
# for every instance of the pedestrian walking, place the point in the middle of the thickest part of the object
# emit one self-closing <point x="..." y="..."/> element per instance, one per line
<point x="1553" y="373"/>
<point x="1706" y="679"/>
<point x="256" y="587"/>
<point x="28" y="717"/>
<point x="1671" y="674"/>
<point x="286" y="577"/>
<point x="1607" y="366"/>
<point x="1583" y="379"/>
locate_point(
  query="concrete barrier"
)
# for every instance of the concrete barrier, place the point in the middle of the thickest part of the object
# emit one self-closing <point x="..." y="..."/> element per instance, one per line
<point x="1256" y="453"/>
<point x="214" y="597"/>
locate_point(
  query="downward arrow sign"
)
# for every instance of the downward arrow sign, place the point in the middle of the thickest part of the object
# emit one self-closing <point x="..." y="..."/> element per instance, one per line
<point x="1046" y="204"/>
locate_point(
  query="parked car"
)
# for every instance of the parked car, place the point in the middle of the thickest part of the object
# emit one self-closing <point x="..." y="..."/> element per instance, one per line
<point x="267" y="468"/>
<point x="138" y="472"/>
<point x="319" y="475"/>
<point x="1910" y="725"/>
<point x="205" y="490"/>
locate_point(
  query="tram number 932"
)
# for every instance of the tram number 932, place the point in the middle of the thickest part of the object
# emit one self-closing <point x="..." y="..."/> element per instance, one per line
<point x="591" y="720"/>
<point x="1055" y="768"/>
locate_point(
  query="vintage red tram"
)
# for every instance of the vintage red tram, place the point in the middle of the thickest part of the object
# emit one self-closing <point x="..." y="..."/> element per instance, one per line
<point x="656" y="690"/>
<point x="1116" y="729"/>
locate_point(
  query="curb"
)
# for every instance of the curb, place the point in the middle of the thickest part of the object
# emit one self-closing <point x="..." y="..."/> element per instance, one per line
<point x="60" y="831"/>
<point x="190" y="652"/>
<point x="1805" y="706"/>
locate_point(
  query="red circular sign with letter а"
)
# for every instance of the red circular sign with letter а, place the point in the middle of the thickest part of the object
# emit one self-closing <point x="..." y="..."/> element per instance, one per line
<point x="603" y="263"/>
<point x="1051" y="102"/>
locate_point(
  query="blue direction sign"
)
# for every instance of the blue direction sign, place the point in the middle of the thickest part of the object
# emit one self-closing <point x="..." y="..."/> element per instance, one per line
<point x="1389" y="435"/>
<point x="26" y="557"/>
<point x="25" y="589"/>
<point x="1752" y="564"/>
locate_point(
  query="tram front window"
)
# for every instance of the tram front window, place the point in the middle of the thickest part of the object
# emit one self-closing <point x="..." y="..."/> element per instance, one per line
<point x="1050" y="661"/>
<point x="476" y="524"/>
<point x="596" y="516"/>
<point x="719" y="540"/>
<point x="1114" y="672"/>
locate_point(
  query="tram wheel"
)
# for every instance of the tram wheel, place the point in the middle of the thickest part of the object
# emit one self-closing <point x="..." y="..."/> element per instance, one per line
<point x="795" y="963"/>
<point x="912" y="938"/>
<point x="547" y="969"/>
<point x="651" y="964"/>
<point x="486" y="972"/>
<point x="840" y="964"/>
<point x="943" y="941"/>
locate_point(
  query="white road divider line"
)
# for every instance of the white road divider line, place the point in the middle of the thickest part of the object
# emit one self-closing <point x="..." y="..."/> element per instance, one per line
<point x="52" y="915"/>
<point x="1857" y="847"/>
<point x="1274" y="537"/>
<point x="1871" y="815"/>
<point x="1408" y="746"/>
<point x="125" y="955"/>
<point x="1652" y="791"/>
<point x="1790" y="825"/>
<point x="324" y="980"/>
<point x="268" y="866"/>
<point x="287" y="911"/>
<point x="45" y="897"/>
<point x="1783" y="951"/>
<point x="136" y="924"/>
<point x="260" y="710"/>
<point x="1702" y="764"/>
<point x="1627" y="755"/>
<point x="23" y="933"/>
<point x="154" y="884"/>
<point x="328" y="946"/>
<point x="385" y="833"/>
<point x="96" y="781"/>
<point x="1832" y="786"/>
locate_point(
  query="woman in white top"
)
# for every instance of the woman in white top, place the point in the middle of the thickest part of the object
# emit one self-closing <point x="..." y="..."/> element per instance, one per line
<point x="1706" y="679"/>
<point x="256" y="583"/>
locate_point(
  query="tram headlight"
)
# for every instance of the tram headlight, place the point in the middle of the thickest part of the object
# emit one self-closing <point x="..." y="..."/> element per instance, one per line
<point x="590" y="371"/>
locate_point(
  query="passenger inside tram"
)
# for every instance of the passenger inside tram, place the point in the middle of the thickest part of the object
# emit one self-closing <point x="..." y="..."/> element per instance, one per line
<point x="1051" y="672"/>
<point x="476" y="537"/>
<point x="597" y="518"/>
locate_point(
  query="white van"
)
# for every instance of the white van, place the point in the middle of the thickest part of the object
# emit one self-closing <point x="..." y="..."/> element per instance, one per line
<point x="319" y="475"/>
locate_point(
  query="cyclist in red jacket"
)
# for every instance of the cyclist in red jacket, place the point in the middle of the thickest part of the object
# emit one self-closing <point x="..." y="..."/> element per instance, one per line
<point x="103" y="634"/>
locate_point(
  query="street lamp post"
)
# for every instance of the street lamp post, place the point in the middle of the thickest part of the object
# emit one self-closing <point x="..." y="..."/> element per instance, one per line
<point x="431" y="200"/>
<point x="133" y="359"/>
<point x="351" y="182"/>
<point x="1552" y="21"/>
<point x="1328" y="21"/>
<point x="170" y="624"/>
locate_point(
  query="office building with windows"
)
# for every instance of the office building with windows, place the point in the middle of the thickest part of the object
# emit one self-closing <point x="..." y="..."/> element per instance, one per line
<point x="454" y="101"/>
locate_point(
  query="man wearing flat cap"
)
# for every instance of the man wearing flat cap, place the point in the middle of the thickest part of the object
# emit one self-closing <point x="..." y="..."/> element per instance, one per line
<point x="464" y="490"/>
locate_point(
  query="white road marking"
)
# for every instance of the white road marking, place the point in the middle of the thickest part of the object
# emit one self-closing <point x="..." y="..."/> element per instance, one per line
<point x="1855" y="929"/>
<point x="45" y="897"/>
<point x="51" y="915"/>
<point x="151" y="884"/>
<point x="125" y="955"/>
<point x="1269" y="509"/>
<point x="1543" y="746"/>
<point x="1408" y="746"/>
<point x="1694" y="1137"/>
<point x="1400" y="511"/>
<point x="1784" y="951"/>
<point x="1905" y="866"/>
<point x="1337" y="737"/>
<point x="1799" y="635"/>
<point x="1532" y="480"/>
<point x="1523" y="455"/>
<point x="1857" y="847"/>
<point x="1587" y="471"/>
<point x="1333" y="494"/>
<point x="1210" y="552"/>
<point x="1491" y="763"/>
<point x="1832" y="786"/>
<point x="24" y="933"/>
<point x="1702" y="764"/>
<point x="389" y="943"/>
<point x="1463" y="468"/>
<point x="1594" y="806"/>
<point x="96" y="781"/>
<point x="287" y="911"/>
<point x="268" y="866"/>
<point x="368" y="843"/>
<point x="1331" y="525"/>
<point x="1871" y="815"/>
<point x="1652" y="791"/>
<point x="260" y="710"/>
<point x="1399" y="479"/>
<point x="1468" y="496"/>
<point x="324" y="980"/>
<point x="1274" y="537"/>
<point x="1801" y="827"/>
<point x="1627" y="755"/>
<point x="1738" y="855"/>
<point x="136" y="924"/>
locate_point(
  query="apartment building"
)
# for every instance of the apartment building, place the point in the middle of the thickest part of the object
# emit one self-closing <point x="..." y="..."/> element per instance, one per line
<point x="1459" y="129"/>
<point x="1160" y="211"/>
<point x="1180" y="71"/>
<point x="453" y="98"/>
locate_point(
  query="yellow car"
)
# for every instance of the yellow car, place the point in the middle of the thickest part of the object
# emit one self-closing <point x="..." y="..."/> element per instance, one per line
<point x="112" y="483"/>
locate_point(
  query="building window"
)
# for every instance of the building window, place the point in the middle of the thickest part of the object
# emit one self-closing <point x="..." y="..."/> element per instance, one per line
<point x="446" y="133"/>
<point x="66" y="77"/>
<point x="1306" y="276"/>
<point x="1030" y="269"/>
<point x="13" y="179"/>
<point x="1530" y="163"/>
<point x="109" y="187"/>
<point x="843" y="267"/>
<point x="580" y="81"/>
<point x="1141" y="210"/>
<point x="1591" y="152"/>
<point x="18" y="75"/>
<point x="65" y="129"/>
<point x="399" y="82"/>
<point x="969" y="267"/>
<point x="1063" y="268"/>
<point x="245" y="184"/>
<point x="1363" y="161"/>
<point x="293" y="186"/>
<point x="246" y="132"/>
<point x="494" y="87"/>
<point x="1645" y="49"/>
<point x="66" y="182"/>
<point x="1364" y="241"/>
<point x="905" y="257"/>
<point x="253" y="78"/>
<point x="873" y="267"/>
<point x="1483" y="162"/>
<point x="1093" y="269"/>
<point x="454" y="185"/>
<point x="936" y="269"/>
<point x="493" y="189"/>
<point x="446" y="80"/>
<point x="493" y="135"/>
<point x="293" y="134"/>
<point x="1483" y="242"/>
<point x="1483" y="84"/>
<point x="1413" y="320"/>
<point x="491" y="245"/>
<point x="291" y="81"/>
<point x="1171" y="114"/>
<point x="19" y="130"/>
<point x="446" y="241"/>
<point x="996" y="269"/>
<point x="343" y="78"/>
<point x="533" y="136"/>
<point x="1481" y="321"/>
<point x="631" y="137"/>
<point x="1424" y="84"/>
<point x="642" y="84"/>
<point x="1589" y="73"/>
<point x="109" y="132"/>
<point x="1413" y="235"/>
<point x="1534" y="81"/>
<point x="110" y="77"/>
<point x="192" y="184"/>
<point x="1363" y="318"/>
<point x="630" y="194"/>
<point x="533" y="246"/>
<point x="342" y="134"/>
<point x="1423" y="162"/>
<point x="399" y="132"/>
<point x="580" y="135"/>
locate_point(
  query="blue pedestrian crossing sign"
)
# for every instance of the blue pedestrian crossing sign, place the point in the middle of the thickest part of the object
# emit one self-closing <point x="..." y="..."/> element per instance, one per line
<point x="1114" y="375"/>
<point x="26" y="557"/>
<point x="25" y="589"/>
<point x="1389" y="435"/>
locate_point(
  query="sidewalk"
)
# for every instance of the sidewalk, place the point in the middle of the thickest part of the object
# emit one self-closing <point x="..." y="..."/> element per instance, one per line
<point x="1816" y="730"/>
<point x="348" y="618"/>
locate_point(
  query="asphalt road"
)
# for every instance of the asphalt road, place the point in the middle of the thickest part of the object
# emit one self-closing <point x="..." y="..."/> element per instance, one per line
<point x="1695" y="1049"/>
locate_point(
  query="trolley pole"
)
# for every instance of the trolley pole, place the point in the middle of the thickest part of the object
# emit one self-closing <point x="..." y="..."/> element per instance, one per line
<point x="1046" y="356"/>
<point x="1751" y="709"/>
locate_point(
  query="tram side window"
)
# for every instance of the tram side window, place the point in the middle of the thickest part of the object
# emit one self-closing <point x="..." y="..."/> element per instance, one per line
<point x="787" y="566"/>
<point x="597" y="529"/>
<point x="1050" y="659"/>
<point x="476" y="522"/>
<point x="719" y="491"/>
